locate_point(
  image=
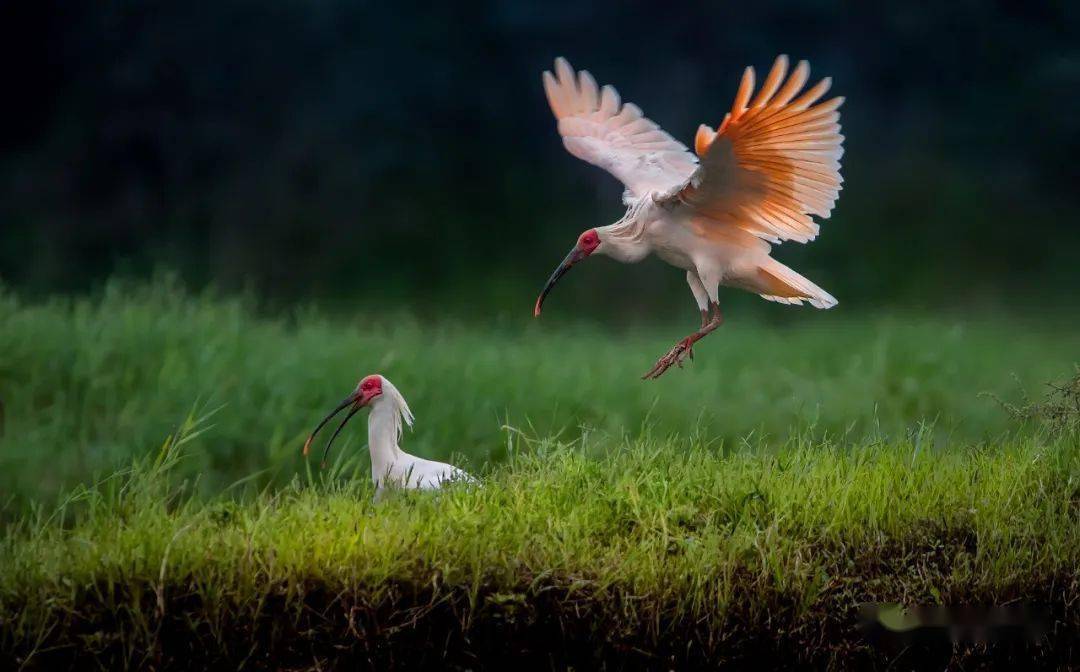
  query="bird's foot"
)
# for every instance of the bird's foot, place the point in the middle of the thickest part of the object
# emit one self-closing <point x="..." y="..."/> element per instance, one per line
<point x="675" y="357"/>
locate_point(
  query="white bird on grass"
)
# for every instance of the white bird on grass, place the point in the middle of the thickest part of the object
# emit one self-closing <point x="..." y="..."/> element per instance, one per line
<point x="772" y="165"/>
<point x="391" y="467"/>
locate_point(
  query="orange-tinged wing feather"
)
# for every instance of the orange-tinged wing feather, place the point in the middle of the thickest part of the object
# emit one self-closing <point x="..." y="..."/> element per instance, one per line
<point x="774" y="163"/>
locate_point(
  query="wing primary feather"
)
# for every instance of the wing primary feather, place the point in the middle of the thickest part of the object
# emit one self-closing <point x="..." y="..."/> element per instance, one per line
<point x="787" y="117"/>
<point x="742" y="96"/>
<point x="609" y="101"/>
<point x="812" y="94"/>
<point x="589" y="92"/>
<point x="794" y="84"/>
<point x="772" y="82"/>
<point x="564" y="72"/>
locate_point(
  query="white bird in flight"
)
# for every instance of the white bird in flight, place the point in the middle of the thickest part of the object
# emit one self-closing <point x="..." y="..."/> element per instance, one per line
<point x="390" y="465"/>
<point x="759" y="179"/>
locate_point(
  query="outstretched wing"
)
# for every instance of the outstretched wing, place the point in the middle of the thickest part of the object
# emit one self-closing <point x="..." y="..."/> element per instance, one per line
<point x="774" y="163"/>
<point x="596" y="127"/>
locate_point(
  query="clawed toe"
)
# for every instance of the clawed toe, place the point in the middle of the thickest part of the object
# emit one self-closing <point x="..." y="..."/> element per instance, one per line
<point x="675" y="357"/>
<point x="685" y="348"/>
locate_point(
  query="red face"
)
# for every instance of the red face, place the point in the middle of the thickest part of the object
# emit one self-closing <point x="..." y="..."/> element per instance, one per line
<point x="588" y="242"/>
<point x="369" y="388"/>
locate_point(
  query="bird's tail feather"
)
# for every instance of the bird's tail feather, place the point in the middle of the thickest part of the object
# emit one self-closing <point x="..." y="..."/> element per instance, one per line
<point x="777" y="282"/>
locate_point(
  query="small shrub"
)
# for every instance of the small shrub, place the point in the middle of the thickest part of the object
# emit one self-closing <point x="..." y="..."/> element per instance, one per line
<point x="1058" y="410"/>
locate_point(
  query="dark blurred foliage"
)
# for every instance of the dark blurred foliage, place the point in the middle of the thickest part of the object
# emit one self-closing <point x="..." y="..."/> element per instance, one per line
<point x="388" y="152"/>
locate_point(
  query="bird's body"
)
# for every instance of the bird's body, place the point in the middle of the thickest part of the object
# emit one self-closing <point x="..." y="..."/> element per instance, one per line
<point x="391" y="467"/>
<point x="728" y="257"/>
<point x="758" y="180"/>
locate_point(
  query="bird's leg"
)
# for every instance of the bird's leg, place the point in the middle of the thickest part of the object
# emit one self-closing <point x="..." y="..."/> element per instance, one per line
<point x="710" y="320"/>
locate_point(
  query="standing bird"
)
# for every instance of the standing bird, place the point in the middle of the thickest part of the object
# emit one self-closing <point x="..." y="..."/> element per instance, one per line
<point x="758" y="179"/>
<point x="390" y="465"/>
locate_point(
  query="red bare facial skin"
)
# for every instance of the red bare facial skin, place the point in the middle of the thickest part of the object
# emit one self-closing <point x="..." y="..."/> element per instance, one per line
<point x="369" y="388"/>
<point x="588" y="242"/>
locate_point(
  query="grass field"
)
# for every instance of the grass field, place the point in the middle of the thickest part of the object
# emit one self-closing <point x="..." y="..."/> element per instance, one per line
<point x="738" y="510"/>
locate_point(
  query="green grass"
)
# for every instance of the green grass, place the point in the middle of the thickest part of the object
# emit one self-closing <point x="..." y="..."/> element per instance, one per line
<point x="88" y="384"/>
<point x="658" y="545"/>
<point x="734" y="511"/>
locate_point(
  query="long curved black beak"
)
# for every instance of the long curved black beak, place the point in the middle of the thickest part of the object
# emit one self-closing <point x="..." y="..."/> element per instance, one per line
<point x="349" y="400"/>
<point x="575" y="256"/>
<point x="348" y="416"/>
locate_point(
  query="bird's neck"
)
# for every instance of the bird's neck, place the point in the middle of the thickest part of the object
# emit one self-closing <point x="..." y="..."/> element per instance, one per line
<point x="623" y="241"/>
<point x="383" y="427"/>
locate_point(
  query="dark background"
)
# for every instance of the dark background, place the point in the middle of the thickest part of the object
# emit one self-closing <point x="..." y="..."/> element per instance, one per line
<point x="381" y="152"/>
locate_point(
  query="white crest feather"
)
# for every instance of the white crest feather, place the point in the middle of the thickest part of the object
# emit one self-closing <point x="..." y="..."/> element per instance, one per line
<point x="401" y="408"/>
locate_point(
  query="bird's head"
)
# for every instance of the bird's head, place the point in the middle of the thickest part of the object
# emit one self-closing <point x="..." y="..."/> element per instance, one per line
<point x="587" y="243"/>
<point x="368" y="390"/>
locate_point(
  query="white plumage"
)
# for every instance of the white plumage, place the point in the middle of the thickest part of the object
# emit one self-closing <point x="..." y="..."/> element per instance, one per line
<point x="391" y="467"/>
<point x="760" y="178"/>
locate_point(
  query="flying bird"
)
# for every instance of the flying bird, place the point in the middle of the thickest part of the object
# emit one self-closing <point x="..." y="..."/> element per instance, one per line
<point x="390" y="465"/>
<point x="759" y="179"/>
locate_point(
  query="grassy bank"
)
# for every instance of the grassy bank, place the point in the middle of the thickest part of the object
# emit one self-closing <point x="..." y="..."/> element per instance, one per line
<point x="734" y="512"/>
<point x="648" y="550"/>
